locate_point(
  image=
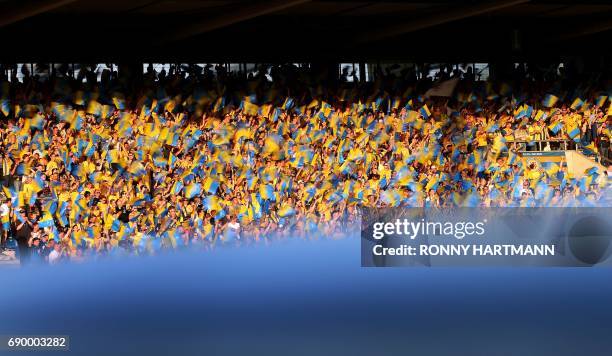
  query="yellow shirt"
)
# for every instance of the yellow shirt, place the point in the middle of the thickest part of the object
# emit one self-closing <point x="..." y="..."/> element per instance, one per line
<point x="88" y="167"/>
<point x="51" y="165"/>
<point x="482" y="140"/>
<point x="533" y="174"/>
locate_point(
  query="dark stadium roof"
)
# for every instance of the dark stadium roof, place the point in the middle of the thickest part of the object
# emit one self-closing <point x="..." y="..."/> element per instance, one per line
<point x="301" y="30"/>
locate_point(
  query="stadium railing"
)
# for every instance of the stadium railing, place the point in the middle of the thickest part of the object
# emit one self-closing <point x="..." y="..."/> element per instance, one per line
<point x="540" y="145"/>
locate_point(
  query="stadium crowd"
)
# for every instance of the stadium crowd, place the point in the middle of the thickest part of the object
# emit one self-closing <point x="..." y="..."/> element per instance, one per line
<point x="90" y="167"/>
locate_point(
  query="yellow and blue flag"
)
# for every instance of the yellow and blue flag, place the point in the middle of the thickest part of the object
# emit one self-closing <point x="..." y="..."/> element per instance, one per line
<point x="286" y="211"/>
<point x="211" y="185"/>
<point x="424" y="111"/>
<point x="46" y="221"/>
<point x="573" y="132"/>
<point x="211" y="202"/>
<point x="193" y="190"/>
<point x="555" y="127"/>
<point x="94" y="108"/>
<point x="577" y="104"/>
<point x="272" y="144"/>
<point x="601" y="100"/>
<point x="266" y="191"/>
<point x="287" y="104"/>
<point x="540" y="115"/>
<point x="549" y="100"/>
<point x="119" y="101"/>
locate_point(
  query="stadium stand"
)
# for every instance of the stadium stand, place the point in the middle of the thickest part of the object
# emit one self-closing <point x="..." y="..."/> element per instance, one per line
<point x="181" y="158"/>
<point x="491" y="103"/>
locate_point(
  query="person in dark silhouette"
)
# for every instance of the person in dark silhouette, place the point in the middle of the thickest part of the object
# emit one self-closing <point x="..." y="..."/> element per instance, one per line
<point x="23" y="230"/>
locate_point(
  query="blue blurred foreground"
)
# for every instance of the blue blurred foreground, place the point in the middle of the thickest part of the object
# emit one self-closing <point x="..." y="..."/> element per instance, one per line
<point x="307" y="298"/>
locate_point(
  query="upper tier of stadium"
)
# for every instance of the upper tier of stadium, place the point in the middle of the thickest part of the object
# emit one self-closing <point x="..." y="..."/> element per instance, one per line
<point x="301" y="30"/>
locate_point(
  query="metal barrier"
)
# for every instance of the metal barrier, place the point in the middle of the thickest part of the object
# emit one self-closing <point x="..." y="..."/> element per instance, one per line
<point x="539" y="145"/>
<point x="556" y="145"/>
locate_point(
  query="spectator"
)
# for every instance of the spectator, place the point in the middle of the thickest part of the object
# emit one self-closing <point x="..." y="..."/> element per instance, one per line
<point x="23" y="230"/>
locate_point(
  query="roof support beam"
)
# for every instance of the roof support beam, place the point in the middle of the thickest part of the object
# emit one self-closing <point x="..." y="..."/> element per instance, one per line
<point x="587" y="30"/>
<point x="244" y="13"/>
<point x="440" y="18"/>
<point x="29" y="8"/>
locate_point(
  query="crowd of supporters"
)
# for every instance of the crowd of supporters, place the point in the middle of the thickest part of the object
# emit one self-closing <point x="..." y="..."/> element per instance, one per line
<point x="90" y="167"/>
